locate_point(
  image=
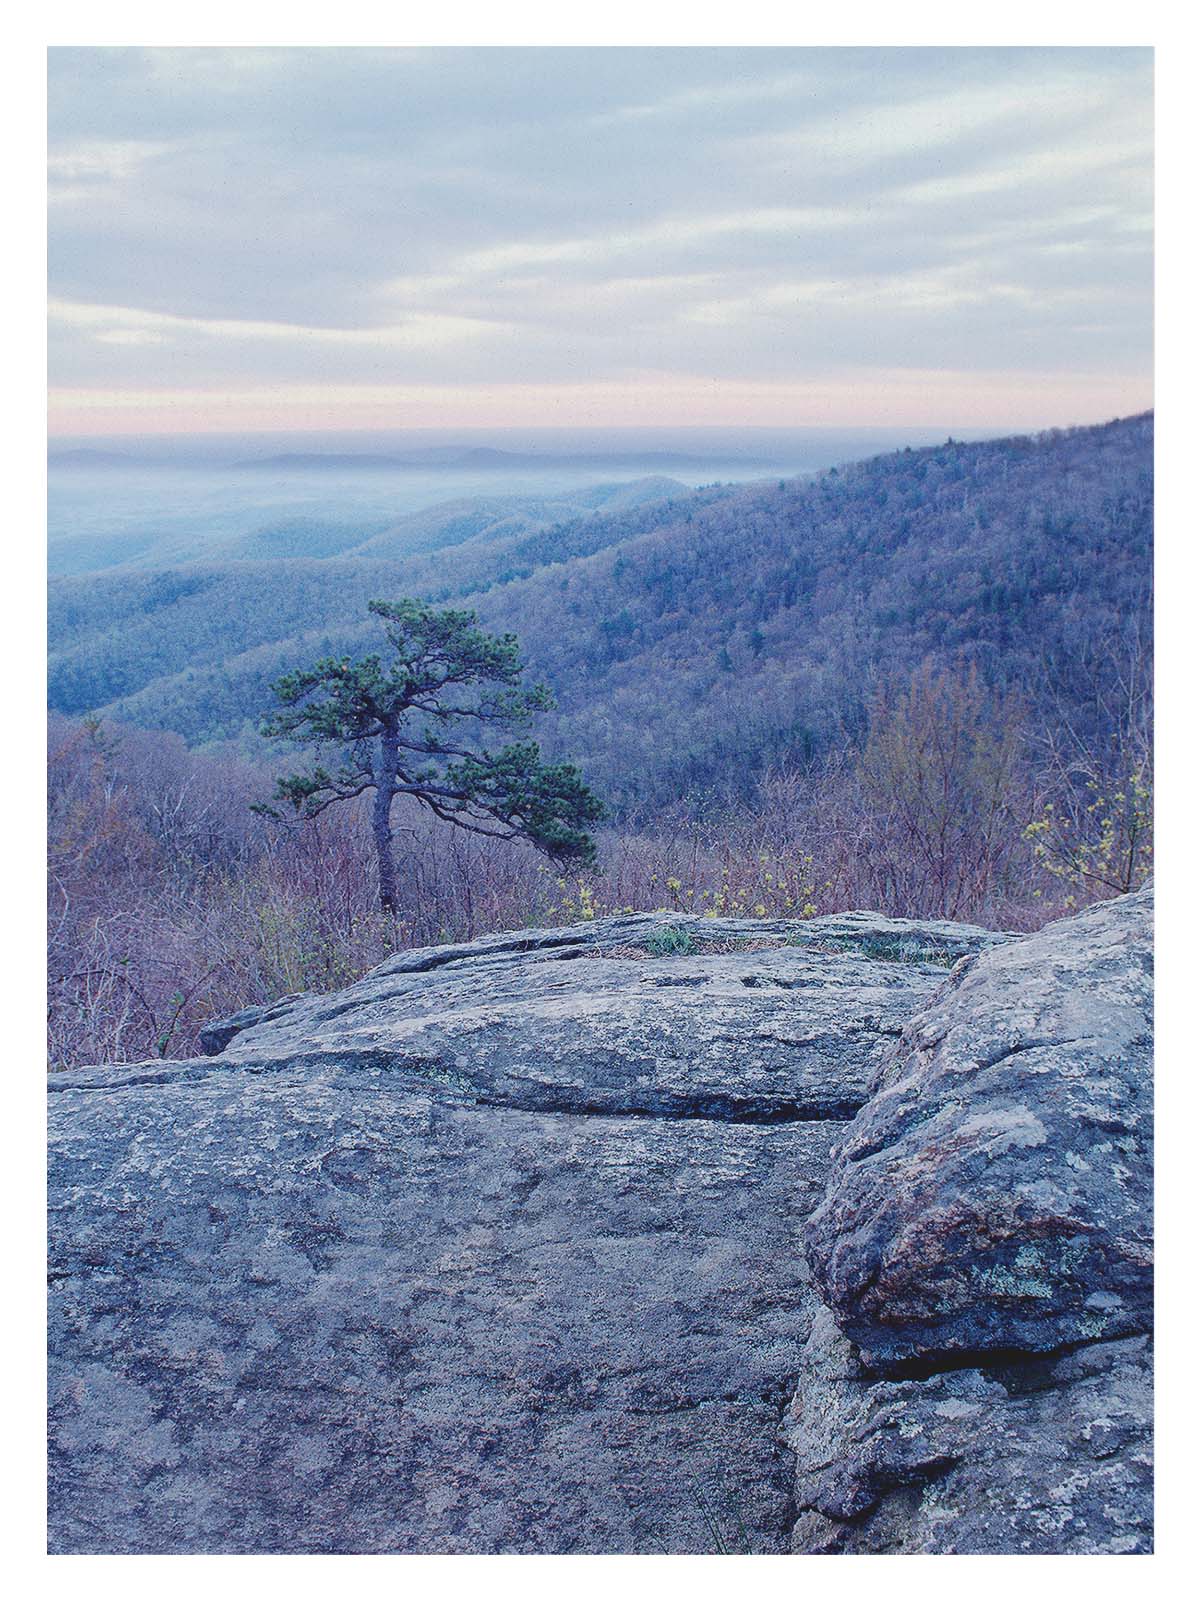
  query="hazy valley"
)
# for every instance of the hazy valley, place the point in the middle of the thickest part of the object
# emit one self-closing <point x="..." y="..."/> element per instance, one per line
<point x="691" y="637"/>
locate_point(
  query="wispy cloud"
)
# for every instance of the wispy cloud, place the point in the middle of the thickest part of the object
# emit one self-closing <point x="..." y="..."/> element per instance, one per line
<point x="79" y="171"/>
<point x="127" y="325"/>
<point x="755" y="89"/>
<point x="465" y="221"/>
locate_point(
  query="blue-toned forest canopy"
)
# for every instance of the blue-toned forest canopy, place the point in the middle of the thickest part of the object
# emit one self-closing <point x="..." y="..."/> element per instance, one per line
<point x="919" y="684"/>
<point x="695" y="641"/>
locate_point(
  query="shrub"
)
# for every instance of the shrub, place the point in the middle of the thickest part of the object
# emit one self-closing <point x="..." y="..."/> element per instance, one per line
<point x="671" y="942"/>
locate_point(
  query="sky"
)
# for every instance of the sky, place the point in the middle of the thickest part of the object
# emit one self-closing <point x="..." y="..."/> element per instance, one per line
<point x="343" y="238"/>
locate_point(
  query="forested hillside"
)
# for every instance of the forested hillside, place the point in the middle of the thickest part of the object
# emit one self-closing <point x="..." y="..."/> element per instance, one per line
<point x="691" y="640"/>
<point x="920" y="684"/>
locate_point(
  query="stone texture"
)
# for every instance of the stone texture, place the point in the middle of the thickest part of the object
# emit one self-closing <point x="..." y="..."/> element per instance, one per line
<point x="985" y="1246"/>
<point x="495" y="1251"/>
<point x="996" y="1190"/>
<point x="1047" y="1456"/>
<point x="582" y="1019"/>
<point x="215" y="1036"/>
<point x="313" y="1311"/>
<point x="500" y="1250"/>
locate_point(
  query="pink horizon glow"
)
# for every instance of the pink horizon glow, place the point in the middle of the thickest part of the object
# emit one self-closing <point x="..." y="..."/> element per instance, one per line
<point x="918" y="400"/>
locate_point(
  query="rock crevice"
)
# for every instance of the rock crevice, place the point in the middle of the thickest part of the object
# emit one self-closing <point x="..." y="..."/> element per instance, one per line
<point x="553" y="1243"/>
<point x="984" y="1251"/>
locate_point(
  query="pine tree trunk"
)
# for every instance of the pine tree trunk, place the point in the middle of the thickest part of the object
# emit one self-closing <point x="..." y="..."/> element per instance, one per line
<point x="381" y="817"/>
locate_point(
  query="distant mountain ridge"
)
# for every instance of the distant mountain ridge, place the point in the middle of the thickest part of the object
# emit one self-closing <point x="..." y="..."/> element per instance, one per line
<point x="446" y="522"/>
<point x="481" y="457"/>
<point x="695" y="637"/>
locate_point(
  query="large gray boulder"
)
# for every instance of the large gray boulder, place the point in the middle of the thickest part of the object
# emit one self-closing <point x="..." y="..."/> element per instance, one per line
<point x="647" y="1014"/>
<point x="1032" y="1456"/>
<point x="996" y="1191"/>
<point x="496" y="1250"/>
<point x="503" y="1249"/>
<point x="980" y="1379"/>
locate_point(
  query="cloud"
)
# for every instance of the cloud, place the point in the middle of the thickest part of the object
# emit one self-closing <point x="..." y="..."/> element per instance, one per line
<point x="465" y="217"/>
<point x="669" y="233"/>
<point x="753" y="91"/>
<point x="125" y="325"/>
<point x="89" y="167"/>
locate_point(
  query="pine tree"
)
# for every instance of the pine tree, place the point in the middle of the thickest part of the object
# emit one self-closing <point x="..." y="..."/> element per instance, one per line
<point x="413" y="724"/>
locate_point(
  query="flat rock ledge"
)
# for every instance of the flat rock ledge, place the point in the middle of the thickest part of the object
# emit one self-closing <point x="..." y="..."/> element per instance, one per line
<point x="531" y="1245"/>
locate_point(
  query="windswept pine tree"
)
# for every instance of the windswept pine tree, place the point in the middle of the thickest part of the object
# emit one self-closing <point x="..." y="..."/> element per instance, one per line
<point x="412" y="725"/>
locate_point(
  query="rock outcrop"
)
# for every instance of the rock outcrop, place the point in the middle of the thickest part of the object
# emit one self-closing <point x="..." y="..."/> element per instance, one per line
<point x="501" y="1249"/>
<point x="981" y="1378"/>
<point x="996" y="1191"/>
<point x="1047" y="1455"/>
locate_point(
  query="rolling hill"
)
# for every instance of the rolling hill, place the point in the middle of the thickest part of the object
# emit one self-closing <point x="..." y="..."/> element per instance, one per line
<point x="284" y="537"/>
<point x="690" y="637"/>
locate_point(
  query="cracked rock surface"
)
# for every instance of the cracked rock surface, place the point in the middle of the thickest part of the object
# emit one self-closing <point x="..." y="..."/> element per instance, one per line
<point x="502" y="1249"/>
<point x="980" y="1378"/>
<point x="1048" y="1456"/>
<point x="496" y="1250"/>
<point x="568" y="1020"/>
<point x="996" y="1190"/>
